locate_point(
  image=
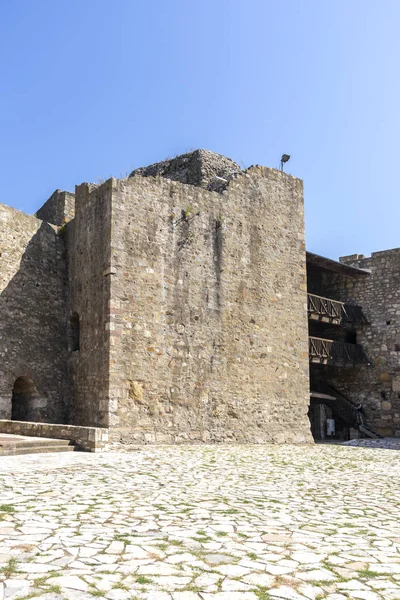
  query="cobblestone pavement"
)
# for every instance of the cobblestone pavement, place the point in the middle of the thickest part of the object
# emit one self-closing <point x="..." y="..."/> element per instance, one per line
<point x="389" y="443"/>
<point x="202" y="523"/>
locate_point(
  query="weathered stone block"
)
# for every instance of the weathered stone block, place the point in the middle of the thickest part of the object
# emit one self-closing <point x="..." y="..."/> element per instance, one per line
<point x="396" y="385"/>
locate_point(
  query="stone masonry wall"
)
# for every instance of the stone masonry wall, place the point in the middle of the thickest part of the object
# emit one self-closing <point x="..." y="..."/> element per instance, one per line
<point x="376" y="386"/>
<point x="201" y="168"/>
<point x="32" y="321"/>
<point x="88" y="243"/>
<point x="91" y="439"/>
<point x="208" y="322"/>
<point x="58" y="209"/>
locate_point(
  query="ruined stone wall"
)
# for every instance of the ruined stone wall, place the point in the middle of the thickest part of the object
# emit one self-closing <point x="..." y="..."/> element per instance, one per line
<point x="58" y="209"/>
<point x="201" y="168"/>
<point x="377" y="386"/>
<point x="88" y="244"/>
<point x="32" y="321"/>
<point x="208" y="323"/>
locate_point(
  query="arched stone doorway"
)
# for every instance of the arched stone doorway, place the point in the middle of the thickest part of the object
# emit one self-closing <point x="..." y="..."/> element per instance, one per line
<point x="25" y="399"/>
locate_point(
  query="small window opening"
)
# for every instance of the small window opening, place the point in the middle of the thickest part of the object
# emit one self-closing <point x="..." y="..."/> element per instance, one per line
<point x="388" y="322"/>
<point x="383" y="395"/>
<point x="397" y="347"/>
<point x="74" y="332"/>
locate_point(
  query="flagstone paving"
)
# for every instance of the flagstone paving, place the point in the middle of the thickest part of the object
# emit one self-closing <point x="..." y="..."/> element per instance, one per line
<point x="389" y="443"/>
<point x="202" y="523"/>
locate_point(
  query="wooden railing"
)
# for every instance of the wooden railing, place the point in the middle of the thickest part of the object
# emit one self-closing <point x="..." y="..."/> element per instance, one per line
<point x="325" y="352"/>
<point x="333" y="311"/>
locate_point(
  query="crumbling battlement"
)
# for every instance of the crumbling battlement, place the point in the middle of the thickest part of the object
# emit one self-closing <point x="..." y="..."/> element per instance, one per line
<point x="58" y="209"/>
<point x="363" y="262"/>
<point x="200" y="168"/>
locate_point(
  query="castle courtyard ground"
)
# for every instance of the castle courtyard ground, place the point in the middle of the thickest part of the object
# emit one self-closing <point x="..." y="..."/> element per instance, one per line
<point x="202" y="523"/>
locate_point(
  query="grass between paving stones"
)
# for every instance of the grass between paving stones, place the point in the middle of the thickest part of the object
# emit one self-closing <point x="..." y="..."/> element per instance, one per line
<point x="122" y="537"/>
<point x="40" y="581"/>
<point x="261" y="593"/>
<point x="10" y="568"/>
<point x="367" y="574"/>
<point x="7" y="508"/>
<point x="31" y="595"/>
<point x="252" y="555"/>
<point x="54" y="589"/>
<point x="95" y="592"/>
<point x="120" y="586"/>
<point x="191" y="587"/>
<point x="143" y="580"/>
<point x="161" y="546"/>
<point x="202" y="539"/>
<point x="175" y="543"/>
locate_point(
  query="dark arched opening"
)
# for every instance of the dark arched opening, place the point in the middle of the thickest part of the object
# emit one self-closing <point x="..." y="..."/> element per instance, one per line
<point x="24" y="395"/>
<point x="74" y="332"/>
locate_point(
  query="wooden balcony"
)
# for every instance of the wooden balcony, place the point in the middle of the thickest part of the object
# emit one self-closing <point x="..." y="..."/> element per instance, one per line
<point x="330" y="311"/>
<point x="329" y="352"/>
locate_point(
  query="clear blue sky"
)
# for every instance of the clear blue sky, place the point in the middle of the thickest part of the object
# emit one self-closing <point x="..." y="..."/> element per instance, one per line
<point x="93" y="88"/>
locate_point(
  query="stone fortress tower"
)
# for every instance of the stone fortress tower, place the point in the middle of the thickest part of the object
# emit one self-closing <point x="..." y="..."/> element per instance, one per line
<point x="171" y="307"/>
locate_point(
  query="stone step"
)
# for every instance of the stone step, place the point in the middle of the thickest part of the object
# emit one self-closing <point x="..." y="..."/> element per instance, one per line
<point x="33" y="442"/>
<point x="18" y="444"/>
<point x="369" y="432"/>
<point x="16" y="450"/>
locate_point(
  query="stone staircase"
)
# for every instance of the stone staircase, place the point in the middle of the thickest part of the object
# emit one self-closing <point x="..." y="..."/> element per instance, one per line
<point x="345" y="409"/>
<point x="11" y="445"/>
<point x="371" y="433"/>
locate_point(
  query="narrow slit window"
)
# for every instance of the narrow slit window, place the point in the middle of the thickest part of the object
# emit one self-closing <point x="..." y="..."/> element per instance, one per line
<point x="74" y="332"/>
